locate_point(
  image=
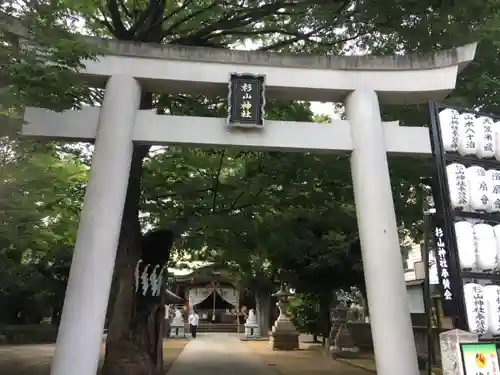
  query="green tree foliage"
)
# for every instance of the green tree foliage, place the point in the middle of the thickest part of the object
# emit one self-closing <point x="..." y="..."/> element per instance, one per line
<point x="41" y="186"/>
<point x="40" y="199"/>
<point x="39" y="58"/>
<point x="304" y="311"/>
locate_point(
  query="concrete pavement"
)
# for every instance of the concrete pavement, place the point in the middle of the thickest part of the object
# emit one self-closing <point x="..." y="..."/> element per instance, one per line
<point x="217" y="354"/>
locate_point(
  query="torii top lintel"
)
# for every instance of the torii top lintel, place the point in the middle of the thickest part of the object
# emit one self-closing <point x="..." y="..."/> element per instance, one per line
<point x="399" y="79"/>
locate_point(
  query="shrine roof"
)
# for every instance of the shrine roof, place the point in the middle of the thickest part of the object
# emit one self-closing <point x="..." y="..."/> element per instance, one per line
<point x="188" y="268"/>
<point x="204" y="273"/>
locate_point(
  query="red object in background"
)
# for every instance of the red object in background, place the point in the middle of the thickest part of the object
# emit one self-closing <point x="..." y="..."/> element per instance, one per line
<point x="177" y="290"/>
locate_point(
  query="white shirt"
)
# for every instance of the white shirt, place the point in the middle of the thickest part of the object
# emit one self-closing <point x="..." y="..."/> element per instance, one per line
<point x="193" y="319"/>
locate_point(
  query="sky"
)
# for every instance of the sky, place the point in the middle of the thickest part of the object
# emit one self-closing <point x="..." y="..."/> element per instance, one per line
<point x="319" y="108"/>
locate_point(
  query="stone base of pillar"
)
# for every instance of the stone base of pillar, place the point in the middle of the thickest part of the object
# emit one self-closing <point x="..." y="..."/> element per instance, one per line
<point x="449" y="342"/>
<point x="344" y="344"/>
<point x="177" y="332"/>
<point x="284" y="341"/>
<point x="260" y="338"/>
<point x="345" y="352"/>
<point x="284" y="336"/>
<point x="252" y="331"/>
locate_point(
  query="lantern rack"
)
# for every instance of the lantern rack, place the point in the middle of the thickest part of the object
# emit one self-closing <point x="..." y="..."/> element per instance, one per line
<point x="494" y="277"/>
<point x="486" y="216"/>
<point x="446" y="217"/>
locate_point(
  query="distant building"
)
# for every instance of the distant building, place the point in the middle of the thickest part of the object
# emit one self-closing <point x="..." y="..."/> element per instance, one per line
<point x="414" y="276"/>
<point x="413" y="263"/>
<point x="212" y="291"/>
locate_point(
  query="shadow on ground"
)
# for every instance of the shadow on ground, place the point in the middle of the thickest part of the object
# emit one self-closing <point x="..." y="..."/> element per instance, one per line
<point x="209" y="354"/>
<point x="36" y="359"/>
<point x="310" y="359"/>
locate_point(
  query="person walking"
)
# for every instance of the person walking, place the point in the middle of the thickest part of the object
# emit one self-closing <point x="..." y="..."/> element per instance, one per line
<point x="193" y="323"/>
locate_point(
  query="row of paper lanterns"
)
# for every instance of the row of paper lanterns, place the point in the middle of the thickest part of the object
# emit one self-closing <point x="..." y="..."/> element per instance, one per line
<point x="473" y="188"/>
<point x="482" y="304"/>
<point x="478" y="248"/>
<point x="468" y="134"/>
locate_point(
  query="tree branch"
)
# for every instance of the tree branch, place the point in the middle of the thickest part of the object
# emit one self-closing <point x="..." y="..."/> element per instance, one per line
<point x="186" y="221"/>
<point x="104" y="22"/>
<point x="306" y="37"/>
<point x="125" y="9"/>
<point x="169" y="16"/>
<point x="188" y="18"/>
<point x="216" y="182"/>
<point x="176" y="194"/>
<point x="230" y="20"/>
<point x="177" y="10"/>
<point x="139" y="22"/>
<point x="116" y="19"/>
<point x="253" y="33"/>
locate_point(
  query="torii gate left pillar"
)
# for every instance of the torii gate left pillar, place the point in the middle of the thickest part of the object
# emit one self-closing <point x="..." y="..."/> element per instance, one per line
<point x="119" y="123"/>
<point x="87" y="292"/>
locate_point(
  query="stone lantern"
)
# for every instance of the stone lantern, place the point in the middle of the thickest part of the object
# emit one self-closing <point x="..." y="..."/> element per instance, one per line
<point x="284" y="335"/>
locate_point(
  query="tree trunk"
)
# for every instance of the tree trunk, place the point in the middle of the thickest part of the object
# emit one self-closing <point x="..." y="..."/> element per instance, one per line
<point x="263" y="307"/>
<point x="324" y="315"/>
<point x="160" y="323"/>
<point x="366" y="311"/>
<point x="134" y="341"/>
<point x="56" y="316"/>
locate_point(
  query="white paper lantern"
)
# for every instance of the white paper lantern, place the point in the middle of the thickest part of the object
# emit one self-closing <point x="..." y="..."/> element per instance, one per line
<point x="485" y="137"/>
<point x="458" y="186"/>
<point x="448" y="119"/>
<point x="496" y="137"/>
<point x="479" y="188"/>
<point x="467" y="143"/>
<point x="466" y="245"/>
<point x="486" y="247"/>
<point x="492" y="296"/>
<point x="475" y="306"/>
<point x="493" y="176"/>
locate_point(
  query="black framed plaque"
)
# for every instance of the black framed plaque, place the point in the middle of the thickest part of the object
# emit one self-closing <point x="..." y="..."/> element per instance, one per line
<point x="449" y="283"/>
<point x="445" y="243"/>
<point x="246" y="100"/>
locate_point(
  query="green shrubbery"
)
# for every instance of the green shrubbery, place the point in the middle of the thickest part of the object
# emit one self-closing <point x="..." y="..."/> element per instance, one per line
<point x="28" y="334"/>
<point x="304" y="312"/>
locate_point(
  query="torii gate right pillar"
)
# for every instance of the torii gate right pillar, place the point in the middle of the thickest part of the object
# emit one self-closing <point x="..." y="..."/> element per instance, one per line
<point x="391" y="326"/>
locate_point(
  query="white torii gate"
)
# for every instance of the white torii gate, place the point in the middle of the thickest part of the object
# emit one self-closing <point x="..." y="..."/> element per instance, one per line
<point x="361" y="82"/>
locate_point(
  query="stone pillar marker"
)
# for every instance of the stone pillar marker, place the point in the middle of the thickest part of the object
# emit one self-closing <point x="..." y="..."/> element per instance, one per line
<point x="344" y="344"/>
<point x="383" y="267"/>
<point x="82" y="322"/>
<point x="252" y="327"/>
<point x="340" y="335"/>
<point x="449" y="342"/>
<point x="177" y="326"/>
